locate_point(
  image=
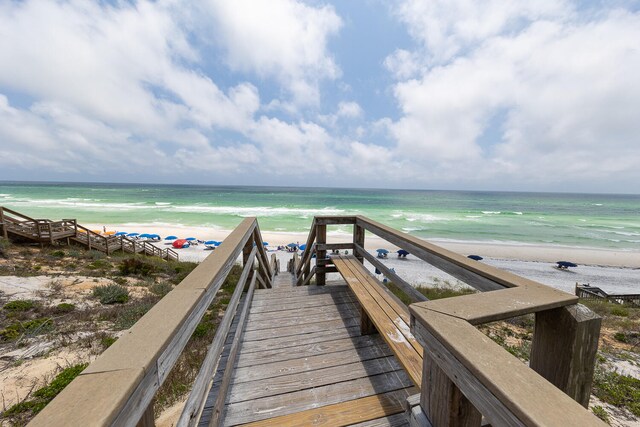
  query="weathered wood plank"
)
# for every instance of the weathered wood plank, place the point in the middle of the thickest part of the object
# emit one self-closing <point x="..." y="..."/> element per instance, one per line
<point x="397" y="420"/>
<point x="306" y="303"/>
<point x="302" y="339"/>
<point x="196" y="397"/>
<point x="503" y="304"/>
<point x="505" y="390"/>
<point x="300" y="329"/>
<point x="308" y="350"/>
<point x="314" y="377"/>
<point x="217" y="413"/>
<point x="273" y="406"/>
<point x="346" y="413"/>
<point x="300" y="320"/>
<point x="565" y="343"/>
<point x="318" y="299"/>
<point x="310" y="363"/>
<point x="275" y="316"/>
<point x="401" y="346"/>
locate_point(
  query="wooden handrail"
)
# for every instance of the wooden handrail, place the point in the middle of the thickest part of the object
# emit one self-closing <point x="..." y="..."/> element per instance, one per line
<point x="308" y="246"/>
<point x="118" y="387"/>
<point x="459" y="357"/>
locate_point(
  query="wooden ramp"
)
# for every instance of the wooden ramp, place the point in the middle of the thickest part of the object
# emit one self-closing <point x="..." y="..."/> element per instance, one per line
<point x="303" y="361"/>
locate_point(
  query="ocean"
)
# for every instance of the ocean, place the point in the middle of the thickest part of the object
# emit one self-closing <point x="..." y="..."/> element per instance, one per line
<point x="575" y="220"/>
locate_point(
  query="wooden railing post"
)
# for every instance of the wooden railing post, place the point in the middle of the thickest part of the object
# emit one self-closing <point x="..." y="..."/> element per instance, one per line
<point x="321" y="239"/>
<point x="442" y="401"/>
<point x="4" y="226"/>
<point x="564" y="347"/>
<point x="147" y="420"/>
<point x="246" y="257"/>
<point x="358" y="240"/>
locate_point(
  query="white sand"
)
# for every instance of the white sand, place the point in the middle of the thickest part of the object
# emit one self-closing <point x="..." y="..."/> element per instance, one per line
<point x="613" y="271"/>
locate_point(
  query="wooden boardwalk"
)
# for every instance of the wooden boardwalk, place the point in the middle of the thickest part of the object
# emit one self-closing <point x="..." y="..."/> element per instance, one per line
<point x="302" y="350"/>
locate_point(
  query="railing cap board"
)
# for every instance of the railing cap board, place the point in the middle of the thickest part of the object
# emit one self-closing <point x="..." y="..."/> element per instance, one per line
<point x="86" y="394"/>
<point x="530" y="397"/>
<point x="140" y="346"/>
<point x="501" y="277"/>
<point x="137" y="359"/>
<point x="498" y="305"/>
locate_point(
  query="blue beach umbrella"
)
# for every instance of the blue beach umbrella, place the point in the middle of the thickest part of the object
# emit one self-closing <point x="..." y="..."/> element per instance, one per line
<point x="133" y="234"/>
<point x="265" y="243"/>
<point x="566" y="264"/>
<point x="171" y="238"/>
<point x="382" y="251"/>
<point x="121" y="233"/>
<point x="402" y="252"/>
<point x="292" y="245"/>
<point x="302" y="247"/>
<point x="210" y="242"/>
<point x="191" y="239"/>
<point x="217" y="243"/>
<point x="475" y="257"/>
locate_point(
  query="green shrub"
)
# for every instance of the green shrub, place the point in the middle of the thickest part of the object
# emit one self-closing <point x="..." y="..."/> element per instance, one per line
<point x="620" y="311"/>
<point x="57" y="254"/>
<point x="599" y="412"/>
<point x="135" y="266"/>
<point x="620" y="336"/>
<point x="107" y="340"/>
<point x="128" y="315"/>
<point x="618" y="390"/>
<point x="99" y="264"/>
<point x="30" y="327"/>
<point x="161" y="289"/>
<point x="64" y="307"/>
<point x="120" y="281"/>
<point x="93" y="254"/>
<point x="111" y="294"/>
<point x="19" y="305"/>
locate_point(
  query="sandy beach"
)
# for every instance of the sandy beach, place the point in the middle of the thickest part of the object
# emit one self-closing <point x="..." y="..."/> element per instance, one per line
<point x="614" y="271"/>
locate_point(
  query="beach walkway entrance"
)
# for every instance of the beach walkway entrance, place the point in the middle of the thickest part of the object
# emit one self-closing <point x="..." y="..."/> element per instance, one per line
<point x="46" y="231"/>
<point x="294" y="348"/>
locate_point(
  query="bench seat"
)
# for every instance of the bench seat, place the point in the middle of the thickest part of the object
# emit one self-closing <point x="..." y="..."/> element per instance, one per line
<point x="389" y="316"/>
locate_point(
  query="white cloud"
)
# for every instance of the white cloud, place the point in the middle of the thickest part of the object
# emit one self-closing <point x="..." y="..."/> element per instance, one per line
<point x="281" y="39"/>
<point x="349" y="110"/>
<point x="557" y="95"/>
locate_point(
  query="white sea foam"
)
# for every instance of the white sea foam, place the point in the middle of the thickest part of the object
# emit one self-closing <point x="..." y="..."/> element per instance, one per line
<point x="259" y="211"/>
<point x="491" y="212"/>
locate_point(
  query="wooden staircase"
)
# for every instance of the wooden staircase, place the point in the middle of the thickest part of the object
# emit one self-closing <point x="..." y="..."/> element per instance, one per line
<point x="44" y="231"/>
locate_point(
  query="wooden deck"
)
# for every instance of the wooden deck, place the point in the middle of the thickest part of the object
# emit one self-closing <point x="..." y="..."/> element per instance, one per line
<point x="302" y="351"/>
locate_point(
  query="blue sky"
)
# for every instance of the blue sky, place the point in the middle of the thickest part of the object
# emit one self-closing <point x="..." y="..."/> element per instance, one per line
<point x="497" y="95"/>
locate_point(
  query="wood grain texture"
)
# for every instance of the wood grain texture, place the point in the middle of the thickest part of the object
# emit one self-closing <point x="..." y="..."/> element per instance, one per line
<point x="345" y="413"/>
<point x="315" y="376"/>
<point x="565" y="343"/>
<point x="505" y="390"/>
<point x="388" y="327"/>
<point x="292" y="366"/>
<point x="274" y="406"/>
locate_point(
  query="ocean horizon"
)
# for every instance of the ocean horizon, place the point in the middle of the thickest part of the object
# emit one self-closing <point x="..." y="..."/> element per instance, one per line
<point x="602" y="221"/>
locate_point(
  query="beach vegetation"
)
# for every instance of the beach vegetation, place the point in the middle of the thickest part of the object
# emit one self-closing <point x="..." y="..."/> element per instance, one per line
<point x="620" y="311"/>
<point x="21" y="412"/>
<point x="621" y="391"/>
<point x="107" y="340"/>
<point x="136" y="267"/>
<point x="57" y="253"/>
<point x="64" y="308"/>
<point x="600" y="412"/>
<point x="110" y="294"/>
<point x="160" y="289"/>
<point x="620" y="336"/>
<point x="18" y="329"/>
<point x="19" y="305"/>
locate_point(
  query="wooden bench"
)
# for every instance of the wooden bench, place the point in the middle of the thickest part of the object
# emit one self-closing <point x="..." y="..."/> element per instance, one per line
<point x="381" y="311"/>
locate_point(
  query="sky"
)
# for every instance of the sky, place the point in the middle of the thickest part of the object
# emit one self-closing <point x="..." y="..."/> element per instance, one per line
<point x="442" y="94"/>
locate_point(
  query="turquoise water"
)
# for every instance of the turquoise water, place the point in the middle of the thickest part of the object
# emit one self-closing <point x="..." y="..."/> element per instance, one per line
<point x="582" y="220"/>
